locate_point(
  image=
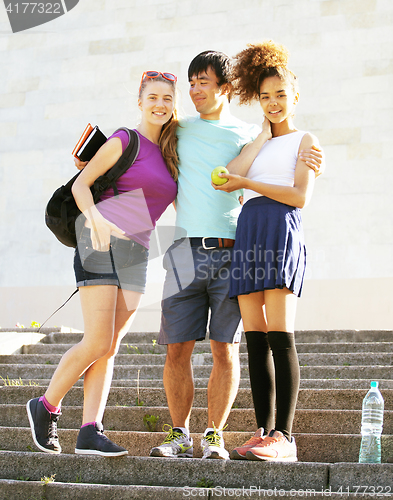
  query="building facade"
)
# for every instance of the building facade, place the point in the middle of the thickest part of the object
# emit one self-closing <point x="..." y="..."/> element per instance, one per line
<point x="86" y="66"/>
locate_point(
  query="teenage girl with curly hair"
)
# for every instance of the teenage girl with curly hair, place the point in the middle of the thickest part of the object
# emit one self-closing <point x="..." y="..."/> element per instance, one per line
<point x="269" y="256"/>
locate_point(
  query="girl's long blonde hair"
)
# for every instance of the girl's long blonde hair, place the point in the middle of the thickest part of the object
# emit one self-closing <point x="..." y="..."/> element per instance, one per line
<point x="168" y="138"/>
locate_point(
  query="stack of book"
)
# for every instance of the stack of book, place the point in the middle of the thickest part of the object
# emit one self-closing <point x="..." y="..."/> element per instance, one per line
<point x="90" y="142"/>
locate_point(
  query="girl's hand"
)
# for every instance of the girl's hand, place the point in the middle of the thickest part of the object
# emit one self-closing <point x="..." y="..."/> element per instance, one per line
<point x="313" y="158"/>
<point x="80" y="165"/>
<point x="267" y="128"/>
<point x="234" y="183"/>
<point x="101" y="230"/>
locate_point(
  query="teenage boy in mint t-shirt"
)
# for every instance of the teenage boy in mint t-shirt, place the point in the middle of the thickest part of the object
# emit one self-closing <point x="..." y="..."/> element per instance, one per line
<point x="209" y="218"/>
<point x="205" y="142"/>
<point x="203" y="145"/>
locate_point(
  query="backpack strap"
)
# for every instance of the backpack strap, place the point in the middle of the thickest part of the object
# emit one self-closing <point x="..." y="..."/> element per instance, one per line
<point x="122" y="165"/>
<point x="69" y="298"/>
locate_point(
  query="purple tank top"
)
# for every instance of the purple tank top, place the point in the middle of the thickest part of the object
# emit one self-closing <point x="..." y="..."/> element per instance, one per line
<point x="145" y="191"/>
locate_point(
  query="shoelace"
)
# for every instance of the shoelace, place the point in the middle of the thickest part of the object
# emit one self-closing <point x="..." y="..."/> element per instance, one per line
<point x="172" y="435"/>
<point x="269" y="440"/>
<point x="253" y="440"/>
<point x="103" y="437"/>
<point x="52" y="431"/>
<point x="215" y="439"/>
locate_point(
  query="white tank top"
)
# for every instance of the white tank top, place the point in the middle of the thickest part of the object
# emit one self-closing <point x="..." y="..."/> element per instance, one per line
<point x="275" y="162"/>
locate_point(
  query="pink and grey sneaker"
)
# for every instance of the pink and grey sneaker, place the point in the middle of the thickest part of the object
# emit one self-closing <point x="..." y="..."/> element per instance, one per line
<point x="275" y="447"/>
<point x="239" y="453"/>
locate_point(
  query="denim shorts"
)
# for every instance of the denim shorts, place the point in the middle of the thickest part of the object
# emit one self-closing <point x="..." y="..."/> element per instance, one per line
<point x="123" y="265"/>
<point x="196" y="296"/>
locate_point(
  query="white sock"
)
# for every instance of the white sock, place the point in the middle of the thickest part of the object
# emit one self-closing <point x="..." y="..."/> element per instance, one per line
<point x="210" y="429"/>
<point x="184" y="431"/>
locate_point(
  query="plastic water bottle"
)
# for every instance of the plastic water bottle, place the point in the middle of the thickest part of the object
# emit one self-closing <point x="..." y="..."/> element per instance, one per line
<point x="372" y="422"/>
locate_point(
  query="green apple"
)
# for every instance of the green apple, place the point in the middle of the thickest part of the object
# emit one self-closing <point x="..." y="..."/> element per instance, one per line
<point x="218" y="181"/>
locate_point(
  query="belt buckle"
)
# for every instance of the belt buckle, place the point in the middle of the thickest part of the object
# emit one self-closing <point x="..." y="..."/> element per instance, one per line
<point x="204" y="244"/>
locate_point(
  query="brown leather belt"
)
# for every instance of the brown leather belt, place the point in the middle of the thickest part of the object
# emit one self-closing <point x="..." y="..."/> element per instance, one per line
<point x="210" y="243"/>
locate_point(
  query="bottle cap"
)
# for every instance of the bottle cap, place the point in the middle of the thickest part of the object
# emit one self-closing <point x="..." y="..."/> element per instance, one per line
<point x="374" y="384"/>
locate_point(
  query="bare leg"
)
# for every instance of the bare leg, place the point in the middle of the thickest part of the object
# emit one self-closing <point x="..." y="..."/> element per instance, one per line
<point x="252" y="311"/>
<point x="280" y="310"/>
<point x="98" y="306"/>
<point x="223" y="382"/>
<point x="98" y="377"/>
<point x="179" y="382"/>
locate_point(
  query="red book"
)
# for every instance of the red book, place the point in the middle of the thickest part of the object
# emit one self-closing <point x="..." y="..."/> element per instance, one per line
<point x="89" y="143"/>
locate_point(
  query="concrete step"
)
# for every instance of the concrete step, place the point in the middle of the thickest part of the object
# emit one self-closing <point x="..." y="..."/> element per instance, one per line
<point x="346" y="359"/>
<point x="38" y="371"/>
<point x="130" y="418"/>
<point x="10" y="489"/>
<point x="329" y="448"/>
<point x="333" y="336"/>
<point x="200" y="359"/>
<point x="127" y="470"/>
<point x="133" y="348"/>
<point x="359" y="383"/>
<point x="46" y="330"/>
<point x="345" y="383"/>
<point x="336" y="369"/>
<point x="73" y="338"/>
<point x="302" y="336"/>
<point x="202" y="347"/>
<point x="345" y="399"/>
<point x="73" y="491"/>
<point x="345" y="347"/>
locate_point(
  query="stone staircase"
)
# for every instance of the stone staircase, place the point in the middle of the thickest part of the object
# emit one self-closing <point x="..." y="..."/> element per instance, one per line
<point x="336" y="369"/>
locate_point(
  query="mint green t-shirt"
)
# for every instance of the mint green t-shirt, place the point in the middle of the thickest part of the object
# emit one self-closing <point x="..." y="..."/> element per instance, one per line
<point x="203" y="145"/>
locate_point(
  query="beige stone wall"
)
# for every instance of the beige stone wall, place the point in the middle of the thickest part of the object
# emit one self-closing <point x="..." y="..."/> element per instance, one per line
<point x="86" y="65"/>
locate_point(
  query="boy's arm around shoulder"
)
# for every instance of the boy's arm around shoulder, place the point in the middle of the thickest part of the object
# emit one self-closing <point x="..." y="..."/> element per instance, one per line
<point x="313" y="156"/>
<point x="304" y="174"/>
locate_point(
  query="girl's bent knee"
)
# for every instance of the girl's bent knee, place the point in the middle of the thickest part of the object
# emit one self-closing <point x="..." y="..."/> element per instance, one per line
<point x="111" y="353"/>
<point x="97" y="351"/>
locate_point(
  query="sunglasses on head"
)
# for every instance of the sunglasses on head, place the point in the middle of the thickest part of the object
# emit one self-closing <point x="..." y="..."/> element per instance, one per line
<point x="155" y="74"/>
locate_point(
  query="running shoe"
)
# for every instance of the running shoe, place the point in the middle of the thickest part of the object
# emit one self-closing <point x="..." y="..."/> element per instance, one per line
<point x="176" y="444"/>
<point x="275" y="447"/>
<point x="213" y="445"/>
<point x="240" y="452"/>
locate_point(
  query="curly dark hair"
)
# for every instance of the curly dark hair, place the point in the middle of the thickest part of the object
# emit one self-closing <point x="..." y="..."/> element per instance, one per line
<point x="256" y="63"/>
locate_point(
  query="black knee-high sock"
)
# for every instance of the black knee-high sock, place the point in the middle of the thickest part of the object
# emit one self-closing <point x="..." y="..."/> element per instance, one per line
<point x="287" y="371"/>
<point x="261" y="368"/>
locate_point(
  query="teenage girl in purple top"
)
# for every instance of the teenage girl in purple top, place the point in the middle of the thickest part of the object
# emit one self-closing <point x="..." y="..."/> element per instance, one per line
<point x="110" y="264"/>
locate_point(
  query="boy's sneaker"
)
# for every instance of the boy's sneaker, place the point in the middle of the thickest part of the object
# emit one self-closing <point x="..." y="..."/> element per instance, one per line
<point x="213" y="445"/>
<point x="240" y="452"/>
<point x="43" y="426"/>
<point x="176" y="444"/>
<point x="274" y="448"/>
<point x="92" y="441"/>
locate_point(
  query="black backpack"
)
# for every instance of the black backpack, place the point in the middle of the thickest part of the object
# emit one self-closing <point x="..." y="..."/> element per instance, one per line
<point x="62" y="211"/>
